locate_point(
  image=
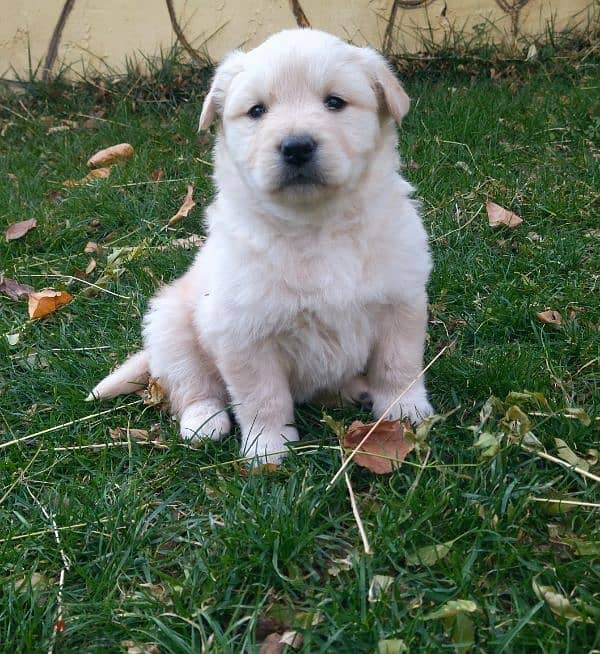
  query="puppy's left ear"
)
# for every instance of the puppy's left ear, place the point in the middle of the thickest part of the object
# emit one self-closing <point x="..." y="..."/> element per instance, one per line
<point x="392" y="97"/>
<point x="214" y="102"/>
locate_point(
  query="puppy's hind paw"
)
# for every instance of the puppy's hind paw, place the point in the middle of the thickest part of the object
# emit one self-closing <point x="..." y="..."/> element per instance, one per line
<point x="414" y="405"/>
<point x="269" y="447"/>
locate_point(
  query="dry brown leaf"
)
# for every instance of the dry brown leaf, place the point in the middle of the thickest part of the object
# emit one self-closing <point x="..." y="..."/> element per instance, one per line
<point x="134" y="647"/>
<point x="92" y="246"/>
<point x="98" y="173"/>
<point x="154" y="393"/>
<point x="121" y="433"/>
<point x="47" y="301"/>
<point x="110" y="155"/>
<point x="90" y="267"/>
<point x="17" y="230"/>
<point x="550" y="317"/>
<point x="385" y="448"/>
<point x="272" y="645"/>
<point x="498" y="215"/>
<point x="157" y="175"/>
<point x="185" y="208"/>
<point x="12" y="289"/>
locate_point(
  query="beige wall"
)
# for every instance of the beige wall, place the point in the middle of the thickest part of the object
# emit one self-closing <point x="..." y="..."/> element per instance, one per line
<point x="101" y="34"/>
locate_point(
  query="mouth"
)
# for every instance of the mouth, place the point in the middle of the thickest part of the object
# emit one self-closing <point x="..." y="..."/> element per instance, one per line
<point x="301" y="179"/>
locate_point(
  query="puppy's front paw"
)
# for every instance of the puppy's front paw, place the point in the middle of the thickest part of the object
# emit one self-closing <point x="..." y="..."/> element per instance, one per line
<point x="269" y="446"/>
<point x="204" y="420"/>
<point x="413" y="405"/>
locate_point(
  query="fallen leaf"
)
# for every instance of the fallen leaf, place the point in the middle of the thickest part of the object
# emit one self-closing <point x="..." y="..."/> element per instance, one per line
<point x="557" y="603"/>
<point x="462" y="632"/>
<point x="272" y="645"/>
<point x="498" y="215"/>
<point x="185" y="208"/>
<point x="97" y="173"/>
<point x="380" y="584"/>
<point x="451" y="608"/>
<point x="489" y="445"/>
<point x="580" y="414"/>
<point x="457" y="623"/>
<point x="158" y="591"/>
<point x="275" y="643"/>
<point x="90" y="267"/>
<point x="384" y="450"/>
<point x="157" y="175"/>
<point x="292" y="638"/>
<point x="92" y="246"/>
<point x="154" y="394"/>
<point x="527" y="397"/>
<point x="121" y="433"/>
<point x="17" y="230"/>
<point x="565" y="453"/>
<point x="13" y="339"/>
<point x="110" y="155"/>
<point x="557" y="506"/>
<point x="188" y="242"/>
<point x="134" y="647"/>
<point x="35" y="580"/>
<point x="12" y="289"/>
<point x="430" y="554"/>
<point x="550" y="317"/>
<point x="392" y="646"/>
<point x="266" y="468"/>
<point x="59" y="128"/>
<point x="46" y="301"/>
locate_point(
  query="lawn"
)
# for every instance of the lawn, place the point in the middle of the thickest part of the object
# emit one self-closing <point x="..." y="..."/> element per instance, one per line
<point x="106" y="541"/>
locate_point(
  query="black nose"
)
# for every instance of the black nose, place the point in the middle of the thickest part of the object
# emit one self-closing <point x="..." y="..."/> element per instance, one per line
<point x="298" y="149"/>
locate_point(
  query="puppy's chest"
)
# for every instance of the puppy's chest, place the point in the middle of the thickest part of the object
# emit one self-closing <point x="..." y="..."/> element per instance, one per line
<point x="323" y="347"/>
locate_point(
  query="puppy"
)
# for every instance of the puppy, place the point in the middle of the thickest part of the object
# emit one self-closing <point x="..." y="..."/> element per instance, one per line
<point x="313" y="277"/>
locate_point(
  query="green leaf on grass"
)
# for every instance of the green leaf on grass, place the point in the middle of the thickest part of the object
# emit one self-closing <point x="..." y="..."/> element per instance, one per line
<point x="489" y="444"/>
<point x="527" y="397"/>
<point x="457" y="623"/>
<point x="430" y="554"/>
<point x="515" y="421"/>
<point x="462" y="633"/>
<point x="392" y="646"/>
<point x="336" y="426"/>
<point x="451" y="609"/>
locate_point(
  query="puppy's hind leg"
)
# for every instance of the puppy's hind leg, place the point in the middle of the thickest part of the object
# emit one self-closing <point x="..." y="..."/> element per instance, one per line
<point x="190" y="379"/>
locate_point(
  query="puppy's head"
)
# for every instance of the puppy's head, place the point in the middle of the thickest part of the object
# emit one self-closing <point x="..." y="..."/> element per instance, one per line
<point x="302" y="114"/>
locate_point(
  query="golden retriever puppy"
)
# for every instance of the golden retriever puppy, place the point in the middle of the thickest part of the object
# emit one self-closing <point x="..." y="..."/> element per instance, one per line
<point x="313" y="277"/>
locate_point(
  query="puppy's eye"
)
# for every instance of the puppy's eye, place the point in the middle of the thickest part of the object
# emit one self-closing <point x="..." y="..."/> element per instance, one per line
<point x="257" y="110"/>
<point x="334" y="103"/>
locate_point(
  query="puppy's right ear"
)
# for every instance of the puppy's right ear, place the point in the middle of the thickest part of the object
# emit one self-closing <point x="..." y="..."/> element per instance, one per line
<point x="215" y="100"/>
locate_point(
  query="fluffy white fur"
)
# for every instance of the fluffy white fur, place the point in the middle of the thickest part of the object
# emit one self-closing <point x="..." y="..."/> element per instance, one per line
<point x="299" y="288"/>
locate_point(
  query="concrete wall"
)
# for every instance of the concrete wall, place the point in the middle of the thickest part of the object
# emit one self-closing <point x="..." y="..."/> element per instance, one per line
<point x="102" y="34"/>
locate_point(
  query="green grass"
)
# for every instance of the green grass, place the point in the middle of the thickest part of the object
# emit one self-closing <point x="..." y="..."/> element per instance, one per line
<point x="179" y="547"/>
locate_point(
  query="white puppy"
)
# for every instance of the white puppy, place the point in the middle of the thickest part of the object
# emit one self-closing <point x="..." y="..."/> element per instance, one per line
<point x="313" y="277"/>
